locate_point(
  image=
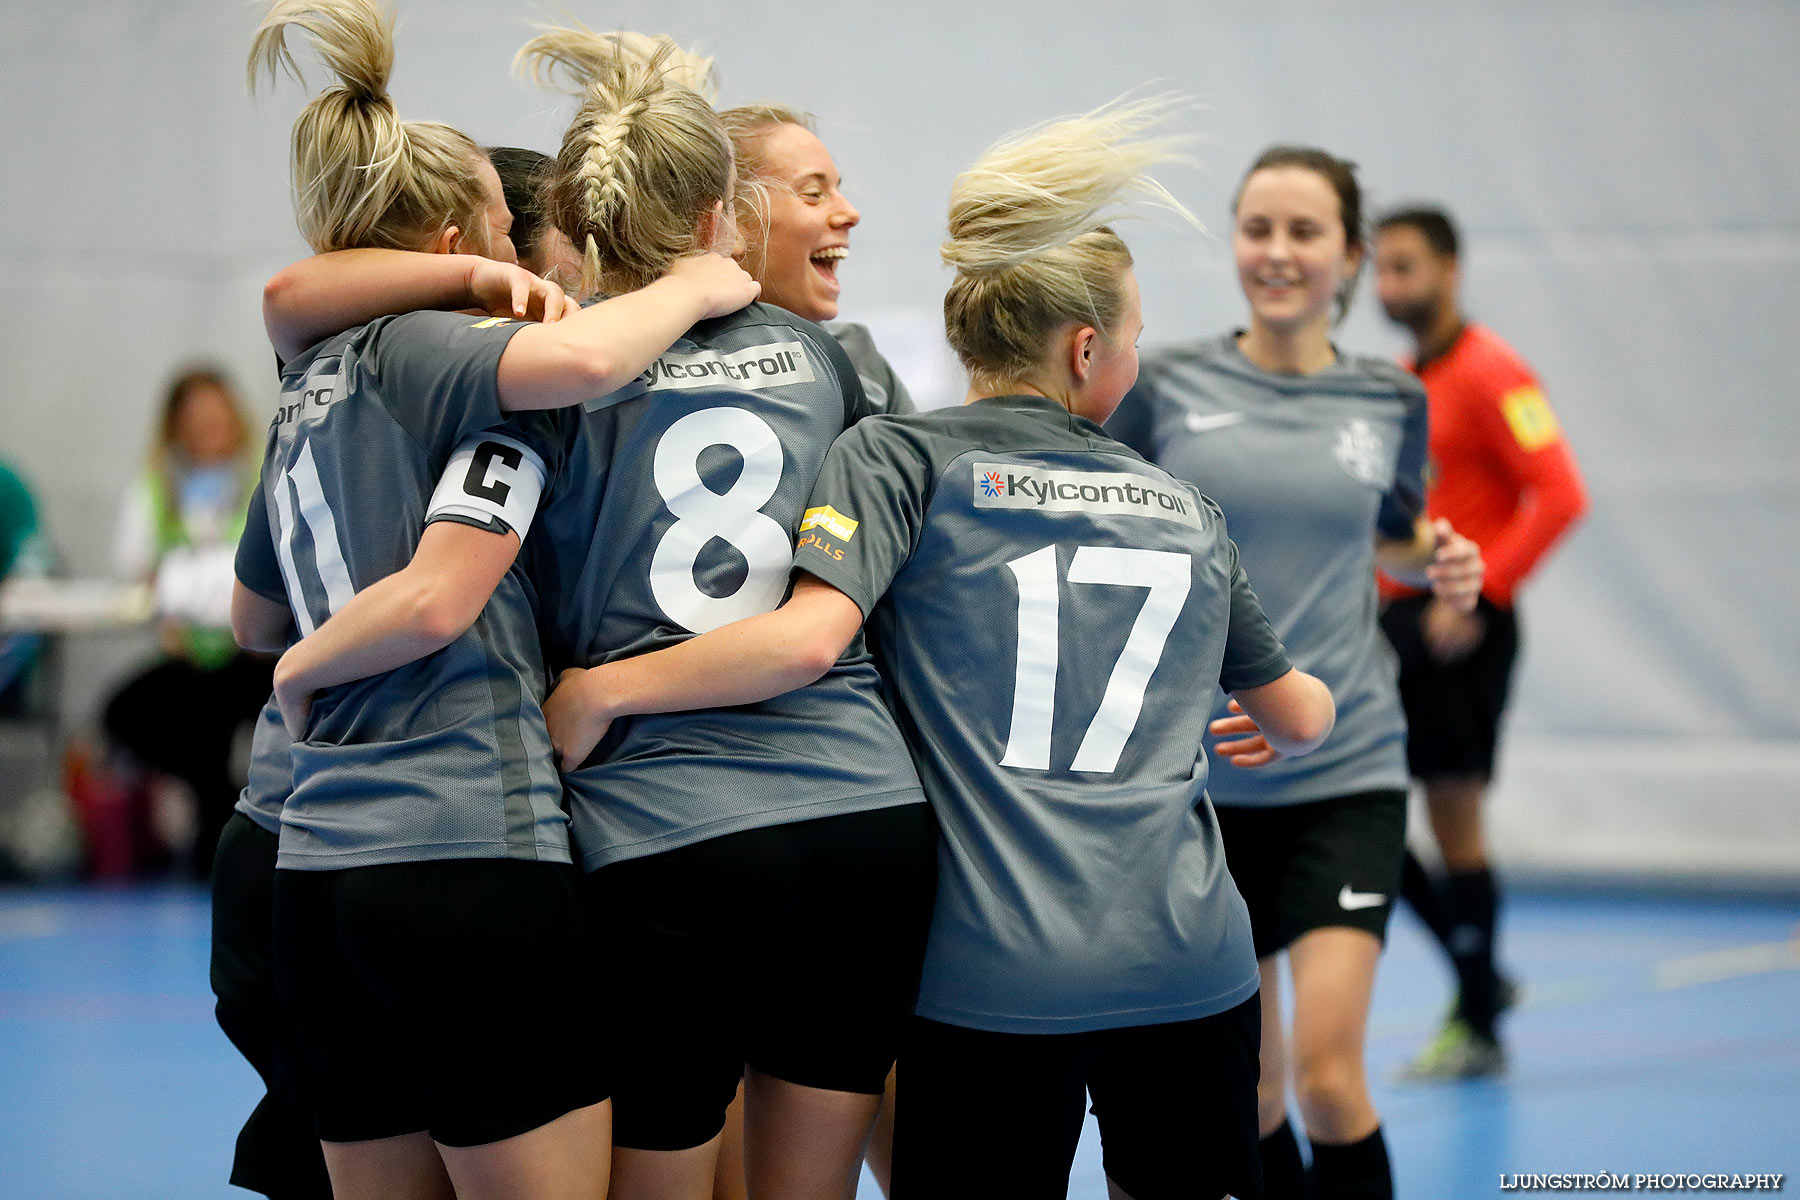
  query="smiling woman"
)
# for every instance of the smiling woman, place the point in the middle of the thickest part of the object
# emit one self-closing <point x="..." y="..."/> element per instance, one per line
<point x="1058" y="960"/>
<point x="1316" y="459"/>
<point x="796" y="223"/>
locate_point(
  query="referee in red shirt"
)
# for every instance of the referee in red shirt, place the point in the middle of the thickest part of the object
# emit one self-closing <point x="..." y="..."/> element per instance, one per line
<point x="1502" y="474"/>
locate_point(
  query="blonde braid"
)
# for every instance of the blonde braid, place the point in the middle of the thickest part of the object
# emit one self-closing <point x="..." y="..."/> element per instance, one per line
<point x="644" y="160"/>
<point x="604" y="181"/>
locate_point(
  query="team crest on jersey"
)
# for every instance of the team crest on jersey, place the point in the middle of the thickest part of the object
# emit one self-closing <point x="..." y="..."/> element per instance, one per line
<point x="1359" y="452"/>
<point x="1106" y="493"/>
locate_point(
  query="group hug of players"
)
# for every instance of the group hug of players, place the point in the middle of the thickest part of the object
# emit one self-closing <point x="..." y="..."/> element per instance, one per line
<point x="673" y="730"/>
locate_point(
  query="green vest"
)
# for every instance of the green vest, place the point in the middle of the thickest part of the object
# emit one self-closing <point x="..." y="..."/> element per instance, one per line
<point x="208" y="647"/>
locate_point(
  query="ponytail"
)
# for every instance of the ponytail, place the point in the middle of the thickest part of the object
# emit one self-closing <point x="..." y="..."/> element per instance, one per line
<point x="645" y="159"/>
<point x="1030" y="239"/>
<point x="361" y="176"/>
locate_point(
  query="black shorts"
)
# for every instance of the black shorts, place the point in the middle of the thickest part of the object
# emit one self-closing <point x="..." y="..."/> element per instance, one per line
<point x="278" y="1149"/>
<point x="1325" y="863"/>
<point x="982" y="1115"/>
<point x="793" y="949"/>
<point x="1453" y="710"/>
<point x="442" y="996"/>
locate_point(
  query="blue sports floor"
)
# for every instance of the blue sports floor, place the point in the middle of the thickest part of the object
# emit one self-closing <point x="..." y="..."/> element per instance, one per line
<point x="1657" y="1036"/>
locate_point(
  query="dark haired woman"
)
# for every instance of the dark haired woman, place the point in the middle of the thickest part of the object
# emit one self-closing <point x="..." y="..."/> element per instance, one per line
<point x="1317" y="460"/>
<point x="543" y="249"/>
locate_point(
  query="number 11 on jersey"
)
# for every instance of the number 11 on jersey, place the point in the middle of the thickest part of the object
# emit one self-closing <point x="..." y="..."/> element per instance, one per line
<point x="1167" y="575"/>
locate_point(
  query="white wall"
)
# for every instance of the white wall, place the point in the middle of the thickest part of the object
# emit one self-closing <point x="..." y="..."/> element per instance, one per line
<point x="1626" y="171"/>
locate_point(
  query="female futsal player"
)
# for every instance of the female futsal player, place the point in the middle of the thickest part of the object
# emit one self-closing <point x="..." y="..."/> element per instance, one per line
<point x="422" y="888"/>
<point x="797" y="222"/>
<point x="783" y="846"/>
<point x="543" y="249"/>
<point x="1043" y="598"/>
<point x="1316" y="460"/>
<point x="758" y="844"/>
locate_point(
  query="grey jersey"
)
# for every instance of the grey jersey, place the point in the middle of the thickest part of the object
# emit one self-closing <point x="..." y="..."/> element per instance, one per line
<point x="675" y="513"/>
<point x="446" y="757"/>
<point x="271" y="770"/>
<point x="1308" y="469"/>
<point x="1046" y="607"/>
<point x="885" y="390"/>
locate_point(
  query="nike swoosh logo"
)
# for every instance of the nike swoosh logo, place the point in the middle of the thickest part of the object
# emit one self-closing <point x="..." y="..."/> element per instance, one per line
<point x="1350" y="901"/>
<point x="1201" y="422"/>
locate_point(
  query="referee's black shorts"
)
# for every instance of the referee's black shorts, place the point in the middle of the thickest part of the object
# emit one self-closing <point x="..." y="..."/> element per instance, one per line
<point x="1453" y="710"/>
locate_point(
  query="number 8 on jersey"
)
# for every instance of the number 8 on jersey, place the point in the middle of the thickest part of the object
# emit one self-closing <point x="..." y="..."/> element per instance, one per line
<point x="733" y="517"/>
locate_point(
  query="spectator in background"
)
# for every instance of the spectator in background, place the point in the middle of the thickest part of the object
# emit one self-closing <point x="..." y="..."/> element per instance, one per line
<point x="1503" y="475"/>
<point x="178" y="531"/>
<point x="23" y="551"/>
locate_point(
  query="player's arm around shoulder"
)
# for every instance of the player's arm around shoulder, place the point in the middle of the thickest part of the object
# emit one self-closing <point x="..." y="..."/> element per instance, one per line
<point x="328" y="293"/>
<point x="603" y="347"/>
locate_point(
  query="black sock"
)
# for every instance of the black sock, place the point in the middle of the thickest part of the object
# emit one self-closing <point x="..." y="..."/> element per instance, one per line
<point x="1284" y="1176"/>
<point x="1417" y="890"/>
<point x="1471" y="903"/>
<point x="1358" y="1171"/>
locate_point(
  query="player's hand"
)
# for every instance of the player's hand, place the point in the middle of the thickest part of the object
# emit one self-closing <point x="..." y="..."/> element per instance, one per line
<point x="576" y="723"/>
<point x="1456" y="570"/>
<point x="720" y="285"/>
<point x="1450" y="634"/>
<point x="1249" y="750"/>
<point x="295" y="704"/>
<point x="507" y="290"/>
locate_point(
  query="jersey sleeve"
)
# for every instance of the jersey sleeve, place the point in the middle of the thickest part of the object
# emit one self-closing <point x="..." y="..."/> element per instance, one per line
<point x="1254" y="655"/>
<point x="899" y="400"/>
<point x="1405" y="499"/>
<point x="856" y="401"/>
<point x="885" y="390"/>
<point x="1527" y="441"/>
<point x="494" y="481"/>
<point x="256" y="566"/>
<point x="1134" y="421"/>
<point x="866" y="511"/>
<point x="438" y="373"/>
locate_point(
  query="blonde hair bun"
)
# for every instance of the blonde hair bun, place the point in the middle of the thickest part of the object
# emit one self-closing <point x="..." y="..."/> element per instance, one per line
<point x="361" y="176"/>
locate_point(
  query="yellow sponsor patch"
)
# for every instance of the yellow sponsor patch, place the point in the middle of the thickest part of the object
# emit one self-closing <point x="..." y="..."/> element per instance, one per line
<point x="1529" y="417"/>
<point x="491" y="322"/>
<point x="830" y="520"/>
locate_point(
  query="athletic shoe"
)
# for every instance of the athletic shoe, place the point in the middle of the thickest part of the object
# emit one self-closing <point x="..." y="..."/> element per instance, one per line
<point x="1457" y="1052"/>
